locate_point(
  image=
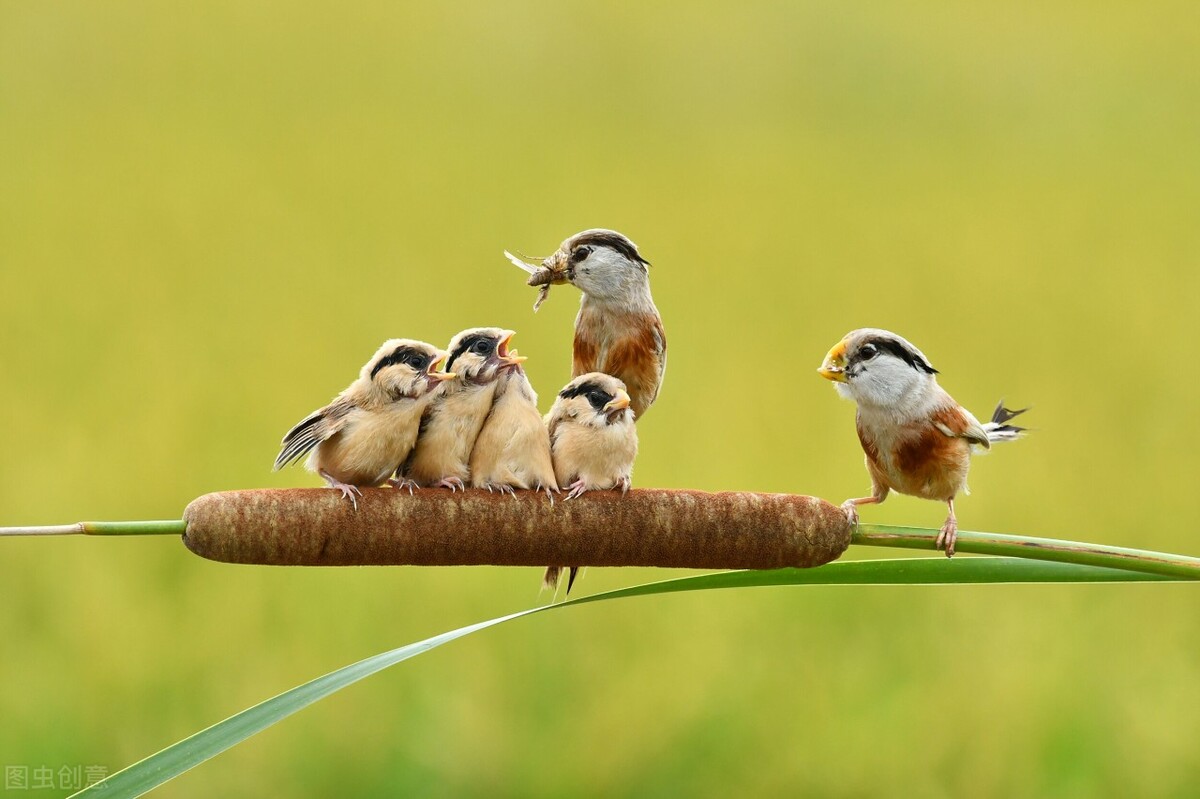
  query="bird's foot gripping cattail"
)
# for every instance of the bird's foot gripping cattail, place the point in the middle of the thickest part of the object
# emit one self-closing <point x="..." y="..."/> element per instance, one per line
<point x="401" y="483"/>
<point x="998" y="428"/>
<point x="452" y="483"/>
<point x="348" y="491"/>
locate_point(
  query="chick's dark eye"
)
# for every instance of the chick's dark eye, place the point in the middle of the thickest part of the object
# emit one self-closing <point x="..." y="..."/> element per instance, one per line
<point x="418" y="362"/>
<point x="482" y="347"/>
<point x="598" y="399"/>
<point x="580" y="255"/>
<point x="868" y="352"/>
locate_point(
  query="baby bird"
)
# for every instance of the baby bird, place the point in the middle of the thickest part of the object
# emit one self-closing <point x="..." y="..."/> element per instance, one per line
<point x="513" y="448"/>
<point x="593" y="442"/>
<point x="618" y="330"/>
<point x="364" y="435"/>
<point x="917" y="439"/>
<point x="454" y="418"/>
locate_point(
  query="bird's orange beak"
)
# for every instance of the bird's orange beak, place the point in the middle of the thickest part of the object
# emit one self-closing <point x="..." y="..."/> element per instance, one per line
<point x="834" y="366"/>
<point x="435" y="373"/>
<point x="618" y="403"/>
<point x="509" y="357"/>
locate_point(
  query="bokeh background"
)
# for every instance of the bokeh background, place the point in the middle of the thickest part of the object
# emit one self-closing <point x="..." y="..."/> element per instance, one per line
<point x="211" y="215"/>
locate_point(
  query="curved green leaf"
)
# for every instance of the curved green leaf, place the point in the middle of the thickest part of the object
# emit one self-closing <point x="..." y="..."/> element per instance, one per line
<point x="178" y="758"/>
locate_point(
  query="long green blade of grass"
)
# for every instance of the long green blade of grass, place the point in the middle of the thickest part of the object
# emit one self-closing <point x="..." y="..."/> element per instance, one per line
<point x="178" y="758"/>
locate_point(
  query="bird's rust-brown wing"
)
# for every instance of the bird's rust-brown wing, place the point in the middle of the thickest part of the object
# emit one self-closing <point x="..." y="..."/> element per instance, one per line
<point x="954" y="422"/>
<point x="318" y="426"/>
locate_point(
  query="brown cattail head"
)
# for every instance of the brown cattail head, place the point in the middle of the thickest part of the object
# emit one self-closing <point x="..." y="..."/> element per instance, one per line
<point x="646" y="527"/>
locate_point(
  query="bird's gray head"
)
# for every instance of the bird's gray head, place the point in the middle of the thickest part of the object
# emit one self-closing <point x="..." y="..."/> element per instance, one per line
<point x="878" y="368"/>
<point x="603" y="264"/>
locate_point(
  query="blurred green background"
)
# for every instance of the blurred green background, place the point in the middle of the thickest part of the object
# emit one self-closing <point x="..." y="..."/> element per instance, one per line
<point x="211" y="216"/>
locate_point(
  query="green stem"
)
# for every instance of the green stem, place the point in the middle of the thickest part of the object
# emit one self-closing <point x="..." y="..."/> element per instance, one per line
<point x="1139" y="560"/>
<point x="161" y="527"/>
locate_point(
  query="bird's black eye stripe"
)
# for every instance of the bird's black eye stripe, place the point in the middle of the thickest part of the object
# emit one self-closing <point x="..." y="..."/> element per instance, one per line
<point x="596" y="396"/>
<point x="876" y="345"/>
<point x="614" y="241"/>
<point x="574" y="391"/>
<point x="470" y="343"/>
<point x="580" y="255"/>
<point x="402" y="355"/>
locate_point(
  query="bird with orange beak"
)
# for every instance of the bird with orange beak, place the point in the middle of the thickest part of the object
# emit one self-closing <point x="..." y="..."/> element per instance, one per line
<point x="917" y="439"/>
<point x="363" y="436"/>
<point x="593" y="442"/>
<point x="453" y="419"/>
<point x="513" y="448"/>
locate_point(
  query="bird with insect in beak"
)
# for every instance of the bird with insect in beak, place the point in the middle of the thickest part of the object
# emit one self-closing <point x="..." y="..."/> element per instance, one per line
<point x="361" y="438"/>
<point x="618" y="330"/>
<point x="593" y="442"/>
<point x="455" y="416"/>
<point x="513" y="448"/>
<point x="917" y="439"/>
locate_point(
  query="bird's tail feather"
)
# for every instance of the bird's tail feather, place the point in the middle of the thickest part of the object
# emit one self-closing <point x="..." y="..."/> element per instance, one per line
<point x="554" y="573"/>
<point x="999" y="429"/>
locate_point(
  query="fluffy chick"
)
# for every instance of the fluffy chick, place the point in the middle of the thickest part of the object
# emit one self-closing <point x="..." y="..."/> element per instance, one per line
<point x="618" y="330"/>
<point x="513" y="448"/>
<point x="364" y="435"/>
<point x="917" y="439"/>
<point x="454" y="418"/>
<point x="593" y="442"/>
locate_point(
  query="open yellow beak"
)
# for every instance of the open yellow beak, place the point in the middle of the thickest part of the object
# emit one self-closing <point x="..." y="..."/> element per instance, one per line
<point x="509" y="356"/>
<point x="618" y="403"/>
<point x="834" y="366"/>
<point x="439" y="375"/>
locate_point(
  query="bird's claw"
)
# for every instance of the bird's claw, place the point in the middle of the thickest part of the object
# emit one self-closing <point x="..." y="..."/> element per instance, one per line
<point x="851" y="511"/>
<point x="403" y="482"/>
<point x="452" y="483"/>
<point x="624" y="484"/>
<point x="577" y="489"/>
<point x="947" y="536"/>
<point x="348" y="492"/>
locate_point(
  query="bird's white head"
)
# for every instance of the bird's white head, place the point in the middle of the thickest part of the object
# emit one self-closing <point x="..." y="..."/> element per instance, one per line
<point x="402" y="368"/>
<point x="594" y="399"/>
<point x="480" y="354"/>
<point x="603" y="264"/>
<point x="879" y="369"/>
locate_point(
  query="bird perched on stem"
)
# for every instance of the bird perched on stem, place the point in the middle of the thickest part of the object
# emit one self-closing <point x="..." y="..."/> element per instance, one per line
<point x="455" y="416"/>
<point x="362" y="437"/>
<point x="917" y="439"/>
<point x="593" y="442"/>
<point x="513" y="448"/>
<point x="618" y="330"/>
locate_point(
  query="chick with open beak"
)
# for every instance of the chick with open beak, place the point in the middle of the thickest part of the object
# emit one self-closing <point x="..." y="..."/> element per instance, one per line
<point x="454" y="418"/>
<point x="513" y="449"/>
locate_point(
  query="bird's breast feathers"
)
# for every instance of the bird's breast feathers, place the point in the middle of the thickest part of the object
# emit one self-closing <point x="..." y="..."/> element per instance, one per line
<point x="920" y="458"/>
<point x="631" y="347"/>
